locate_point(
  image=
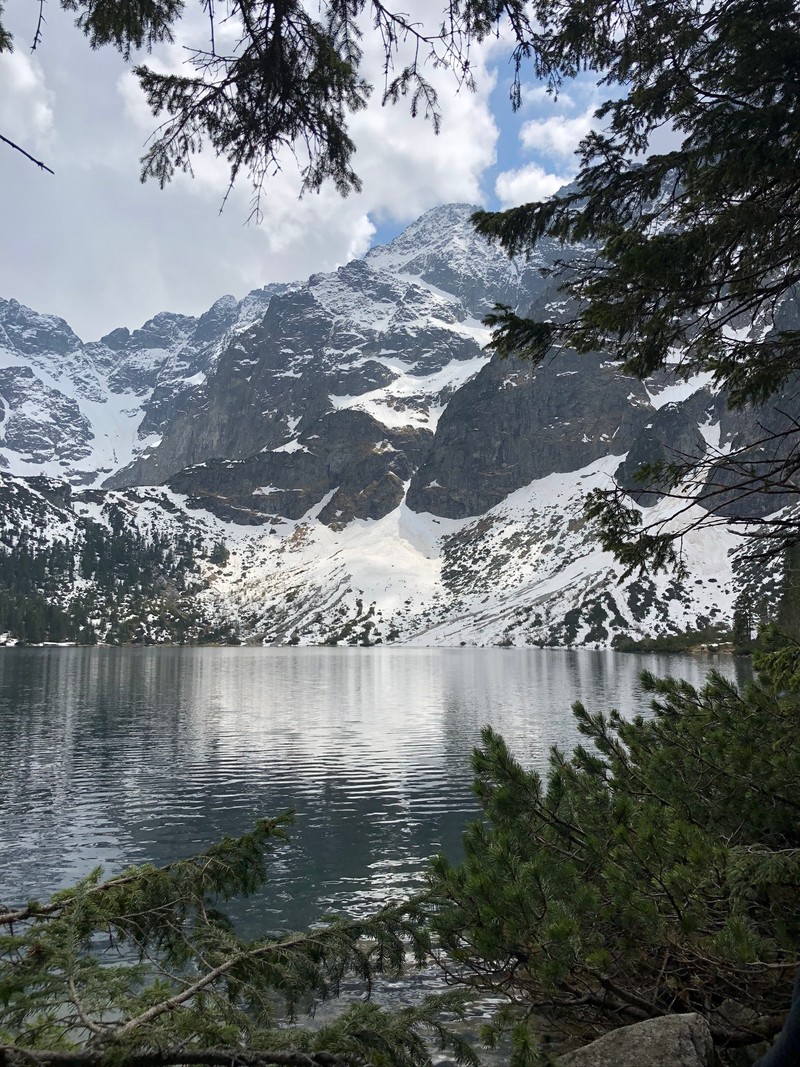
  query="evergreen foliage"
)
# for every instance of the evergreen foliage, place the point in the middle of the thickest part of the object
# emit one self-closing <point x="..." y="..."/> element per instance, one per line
<point x="220" y="554"/>
<point x="686" y="250"/>
<point x="742" y="631"/>
<point x="654" y="871"/>
<point x="291" y="81"/>
<point x="684" y="641"/>
<point x="144" y="969"/>
<point x="111" y="583"/>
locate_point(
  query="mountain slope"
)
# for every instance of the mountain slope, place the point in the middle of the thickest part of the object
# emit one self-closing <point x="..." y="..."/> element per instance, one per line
<point x="82" y="410"/>
<point x="340" y="461"/>
<point x="527" y="572"/>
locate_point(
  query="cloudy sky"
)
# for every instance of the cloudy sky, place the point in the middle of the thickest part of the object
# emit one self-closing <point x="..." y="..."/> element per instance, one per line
<point x="95" y="246"/>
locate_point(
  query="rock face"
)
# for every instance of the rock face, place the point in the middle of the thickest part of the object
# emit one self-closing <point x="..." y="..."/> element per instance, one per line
<point x="515" y="422"/>
<point x="393" y="335"/>
<point x="81" y="410"/>
<point x="674" y="1041"/>
<point x="40" y="422"/>
<point x="670" y="435"/>
<point x="346" y="456"/>
<point x="443" y="250"/>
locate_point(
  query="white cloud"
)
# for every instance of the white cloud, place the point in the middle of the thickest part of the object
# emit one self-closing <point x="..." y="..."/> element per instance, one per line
<point x="526" y="184"/>
<point x="533" y="95"/>
<point x="405" y="168"/>
<point x="95" y="246"/>
<point x="557" y="135"/>
<point x="134" y="103"/>
<point x="26" y="112"/>
<point x="404" y="165"/>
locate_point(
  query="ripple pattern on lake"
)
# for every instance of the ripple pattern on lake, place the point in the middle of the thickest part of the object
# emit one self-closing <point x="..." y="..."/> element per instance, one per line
<point x="117" y="756"/>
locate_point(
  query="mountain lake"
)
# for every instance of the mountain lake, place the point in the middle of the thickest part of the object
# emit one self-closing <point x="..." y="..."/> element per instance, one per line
<point x="120" y="756"/>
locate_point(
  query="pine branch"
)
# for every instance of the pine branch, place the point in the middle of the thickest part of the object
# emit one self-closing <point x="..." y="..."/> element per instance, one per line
<point x="185" y="995"/>
<point x="215" y="861"/>
<point x="14" y="1056"/>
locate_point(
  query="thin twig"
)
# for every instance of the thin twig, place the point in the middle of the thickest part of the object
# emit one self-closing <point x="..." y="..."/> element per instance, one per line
<point x="37" y="37"/>
<point x="84" y="1018"/>
<point x="27" y="155"/>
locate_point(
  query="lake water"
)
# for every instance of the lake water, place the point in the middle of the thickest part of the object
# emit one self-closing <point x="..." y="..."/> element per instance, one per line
<point x="116" y="756"/>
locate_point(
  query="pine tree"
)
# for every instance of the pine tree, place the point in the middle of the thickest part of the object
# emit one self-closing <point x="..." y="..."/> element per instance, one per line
<point x="654" y="871"/>
<point x="143" y="969"/>
<point x="219" y="554"/>
<point x="683" y="251"/>
<point x="742" y="629"/>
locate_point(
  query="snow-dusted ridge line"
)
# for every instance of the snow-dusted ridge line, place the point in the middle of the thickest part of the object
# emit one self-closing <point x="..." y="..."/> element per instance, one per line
<point x="110" y="398"/>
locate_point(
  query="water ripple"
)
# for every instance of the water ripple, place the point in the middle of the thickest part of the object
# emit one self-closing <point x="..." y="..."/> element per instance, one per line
<point x="120" y="756"/>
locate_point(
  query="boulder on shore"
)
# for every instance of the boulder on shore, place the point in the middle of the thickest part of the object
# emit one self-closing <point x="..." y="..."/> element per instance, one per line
<point x="672" y="1041"/>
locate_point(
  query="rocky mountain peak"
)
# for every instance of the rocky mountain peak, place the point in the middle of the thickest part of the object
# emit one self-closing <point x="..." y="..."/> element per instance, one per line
<point x="438" y="232"/>
<point x="28" y="332"/>
<point x="443" y="250"/>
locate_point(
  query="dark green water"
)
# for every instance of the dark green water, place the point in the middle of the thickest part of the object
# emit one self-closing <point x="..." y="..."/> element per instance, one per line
<point x="115" y="756"/>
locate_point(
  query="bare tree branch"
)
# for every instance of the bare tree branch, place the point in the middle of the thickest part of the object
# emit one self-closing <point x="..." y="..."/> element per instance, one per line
<point x="37" y="37"/>
<point x="38" y="162"/>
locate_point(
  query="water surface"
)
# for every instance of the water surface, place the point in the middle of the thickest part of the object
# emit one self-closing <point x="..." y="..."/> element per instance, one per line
<point x="117" y="756"/>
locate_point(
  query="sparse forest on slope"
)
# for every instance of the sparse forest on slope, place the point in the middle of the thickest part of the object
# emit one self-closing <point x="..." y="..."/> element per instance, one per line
<point x="88" y="574"/>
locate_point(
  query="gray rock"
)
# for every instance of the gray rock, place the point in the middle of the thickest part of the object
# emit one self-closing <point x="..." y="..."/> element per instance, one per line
<point x="670" y="436"/>
<point x="346" y="451"/>
<point x="341" y="335"/>
<point x="672" y="1041"/>
<point x="515" y="422"/>
<point x="757" y="436"/>
<point x="39" y="422"/>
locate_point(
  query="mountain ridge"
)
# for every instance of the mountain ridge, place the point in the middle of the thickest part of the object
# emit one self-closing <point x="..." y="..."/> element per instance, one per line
<point x="356" y="416"/>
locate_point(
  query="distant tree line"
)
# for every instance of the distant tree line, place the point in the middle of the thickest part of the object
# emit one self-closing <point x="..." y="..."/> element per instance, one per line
<point x="58" y="591"/>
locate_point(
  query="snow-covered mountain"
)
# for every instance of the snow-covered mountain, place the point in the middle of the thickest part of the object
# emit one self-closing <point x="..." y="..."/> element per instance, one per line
<point x="81" y="411"/>
<point x="341" y="461"/>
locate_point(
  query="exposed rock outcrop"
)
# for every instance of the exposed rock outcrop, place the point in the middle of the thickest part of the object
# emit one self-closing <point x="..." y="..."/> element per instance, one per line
<point x="346" y="453"/>
<point x="515" y="422"/>
<point x="673" y="1041"/>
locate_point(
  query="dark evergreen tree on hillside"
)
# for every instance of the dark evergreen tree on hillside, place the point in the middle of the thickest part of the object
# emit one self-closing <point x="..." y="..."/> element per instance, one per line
<point x="686" y="250"/>
<point x="219" y="554"/>
<point x="788" y="618"/>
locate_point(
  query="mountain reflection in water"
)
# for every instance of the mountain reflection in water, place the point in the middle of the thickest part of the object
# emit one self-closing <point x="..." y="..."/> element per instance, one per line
<point x="119" y="756"/>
